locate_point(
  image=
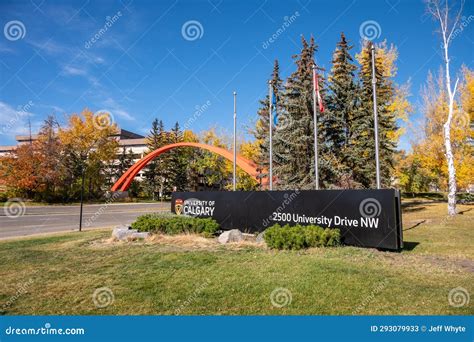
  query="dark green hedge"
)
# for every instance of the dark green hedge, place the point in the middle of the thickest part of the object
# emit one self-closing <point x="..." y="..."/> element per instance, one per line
<point x="428" y="195"/>
<point x="465" y="197"/>
<point x="173" y="224"/>
<point x="299" y="237"/>
<point x="462" y="197"/>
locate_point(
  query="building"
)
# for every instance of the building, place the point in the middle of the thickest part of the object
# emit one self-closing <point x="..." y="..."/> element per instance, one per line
<point x="126" y="139"/>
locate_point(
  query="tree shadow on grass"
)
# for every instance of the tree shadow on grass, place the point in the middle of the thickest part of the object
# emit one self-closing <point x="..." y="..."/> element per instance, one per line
<point x="410" y="207"/>
<point x="415" y="225"/>
<point x="464" y="211"/>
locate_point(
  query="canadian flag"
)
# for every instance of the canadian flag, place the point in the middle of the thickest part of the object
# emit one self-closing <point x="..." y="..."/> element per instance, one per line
<point x="316" y="90"/>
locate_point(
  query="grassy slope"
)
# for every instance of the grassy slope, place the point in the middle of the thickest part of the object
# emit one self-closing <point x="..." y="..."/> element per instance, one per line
<point x="162" y="278"/>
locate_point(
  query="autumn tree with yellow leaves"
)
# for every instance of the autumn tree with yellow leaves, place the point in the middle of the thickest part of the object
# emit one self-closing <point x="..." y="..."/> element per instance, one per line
<point x="89" y="149"/>
<point x="50" y="167"/>
<point x="442" y="12"/>
<point x="428" y="154"/>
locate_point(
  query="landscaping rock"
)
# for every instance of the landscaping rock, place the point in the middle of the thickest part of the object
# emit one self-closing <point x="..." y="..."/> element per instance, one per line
<point x="122" y="232"/>
<point x="143" y="235"/>
<point x="233" y="235"/>
<point x="260" y="238"/>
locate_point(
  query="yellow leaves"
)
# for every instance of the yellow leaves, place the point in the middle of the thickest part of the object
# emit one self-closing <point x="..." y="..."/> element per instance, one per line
<point x="395" y="135"/>
<point x="400" y="104"/>
<point x="216" y="168"/>
<point x="401" y="108"/>
<point x="467" y="101"/>
<point x="465" y="171"/>
<point x="210" y="137"/>
<point x="87" y="133"/>
<point x="385" y="55"/>
<point x="250" y="150"/>
<point x="431" y="150"/>
<point x="189" y="136"/>
<point x="464" y="117"/>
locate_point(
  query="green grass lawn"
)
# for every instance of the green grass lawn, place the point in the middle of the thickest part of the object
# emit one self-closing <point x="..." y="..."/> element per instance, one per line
<point x="58" y="274"/>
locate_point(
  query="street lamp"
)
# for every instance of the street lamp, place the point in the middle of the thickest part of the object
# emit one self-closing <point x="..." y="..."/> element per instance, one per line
<point x="84" y="158"/>
<point x="234" y="182"/>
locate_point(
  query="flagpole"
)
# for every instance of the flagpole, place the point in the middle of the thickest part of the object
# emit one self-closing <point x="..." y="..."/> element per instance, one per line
<point x="234" y="180"/>
<point x="376" y="125"/>
<point x="315" y="123"/>
<point x="270" y="128"/>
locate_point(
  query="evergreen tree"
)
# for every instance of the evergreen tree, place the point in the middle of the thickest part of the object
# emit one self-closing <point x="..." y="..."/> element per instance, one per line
<point x="192" y="156"/>
<point x="294" y="141"/>
<point x="178" y="160"/>
<point x="125" y="161"/>
<point x="362" y="141"/>
<point x="51" y="169"/>
<point x="337" y="121"/>
<point x="261" y="130"/>
<point x="156" y="173"/>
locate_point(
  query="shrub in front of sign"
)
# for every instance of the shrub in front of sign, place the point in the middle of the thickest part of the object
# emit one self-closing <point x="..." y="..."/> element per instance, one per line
<point x="299" y="237"/>
<point x="173" y="224"/>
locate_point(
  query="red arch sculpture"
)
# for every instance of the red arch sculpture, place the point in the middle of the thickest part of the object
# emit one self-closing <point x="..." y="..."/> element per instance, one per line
<point x="124" y="182"/>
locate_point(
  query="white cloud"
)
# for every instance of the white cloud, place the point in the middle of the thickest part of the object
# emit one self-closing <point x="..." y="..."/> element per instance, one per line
<point x="116" y="109"/>
<point x="50" y="47"/>
<point x="54" y="108"/>
<point x="73" y="71"/>
<point x="69" y="70"/>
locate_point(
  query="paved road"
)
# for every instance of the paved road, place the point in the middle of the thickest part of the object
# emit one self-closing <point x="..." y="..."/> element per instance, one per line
<point x="46" y="219"/>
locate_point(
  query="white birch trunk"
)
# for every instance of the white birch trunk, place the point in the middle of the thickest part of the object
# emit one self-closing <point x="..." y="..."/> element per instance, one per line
<point x="435" y="7"/>
<point x="447" y="133"/>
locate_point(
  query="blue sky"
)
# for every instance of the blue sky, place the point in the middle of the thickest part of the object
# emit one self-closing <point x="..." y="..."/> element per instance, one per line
<point x="146" y="65"/>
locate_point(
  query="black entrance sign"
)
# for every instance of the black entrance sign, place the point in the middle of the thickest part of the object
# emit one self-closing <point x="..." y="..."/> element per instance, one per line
<point x="366" y="218"/>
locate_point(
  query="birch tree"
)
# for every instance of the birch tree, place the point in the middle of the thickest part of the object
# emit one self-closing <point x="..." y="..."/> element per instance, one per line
<point x="440" y="10"/>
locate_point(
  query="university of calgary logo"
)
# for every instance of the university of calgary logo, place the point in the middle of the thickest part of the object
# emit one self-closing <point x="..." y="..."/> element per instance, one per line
<point x="178" y="206"/>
